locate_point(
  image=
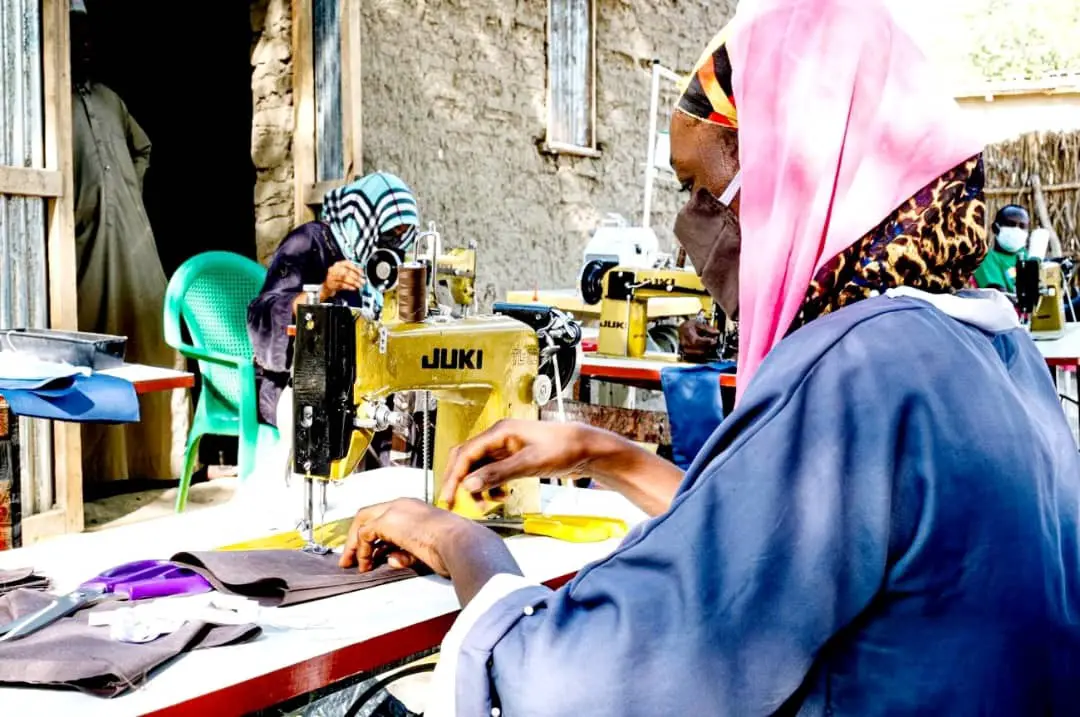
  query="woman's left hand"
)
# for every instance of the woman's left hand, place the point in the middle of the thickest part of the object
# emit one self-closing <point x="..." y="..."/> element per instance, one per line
<point x="403" y="532"/>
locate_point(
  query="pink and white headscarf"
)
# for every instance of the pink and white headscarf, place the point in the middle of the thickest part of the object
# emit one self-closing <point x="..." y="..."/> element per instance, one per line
<point x="841" y="119"/>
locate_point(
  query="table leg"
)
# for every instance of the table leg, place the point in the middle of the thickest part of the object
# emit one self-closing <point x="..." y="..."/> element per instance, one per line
<point x="10" y="507"/>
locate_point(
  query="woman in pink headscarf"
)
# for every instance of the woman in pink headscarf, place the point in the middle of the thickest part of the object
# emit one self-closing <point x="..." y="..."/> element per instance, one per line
<point x="888" y="521"/>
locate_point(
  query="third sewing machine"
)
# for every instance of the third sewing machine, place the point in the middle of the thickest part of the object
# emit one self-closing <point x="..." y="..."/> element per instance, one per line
<point x="480" y="368"/>
<point x="1042" y="289"/>
<point x="623" y="270"/>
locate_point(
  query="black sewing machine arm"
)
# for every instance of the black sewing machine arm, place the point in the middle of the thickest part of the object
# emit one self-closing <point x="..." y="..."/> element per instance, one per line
<point x="559" y="336"/>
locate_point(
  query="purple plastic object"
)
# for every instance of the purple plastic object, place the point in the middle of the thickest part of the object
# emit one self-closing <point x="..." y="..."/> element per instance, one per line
<point x="144" y="579"/>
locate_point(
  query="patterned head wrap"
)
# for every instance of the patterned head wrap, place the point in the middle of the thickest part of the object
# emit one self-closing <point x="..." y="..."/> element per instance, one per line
<point x="362" y="216"/>
<point x="707" y="93"/>
<point x="864" y="174"/>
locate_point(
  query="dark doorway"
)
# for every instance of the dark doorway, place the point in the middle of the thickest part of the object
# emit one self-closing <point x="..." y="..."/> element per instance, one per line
<point x="184" y="71"/>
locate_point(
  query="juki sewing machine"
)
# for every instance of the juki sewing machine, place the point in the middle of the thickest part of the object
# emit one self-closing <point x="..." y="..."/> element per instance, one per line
<point x="623" y="293"/>
<point x="480" y="368"/>
<point x="1041" y="296"/>
<point x="623" y="269"/>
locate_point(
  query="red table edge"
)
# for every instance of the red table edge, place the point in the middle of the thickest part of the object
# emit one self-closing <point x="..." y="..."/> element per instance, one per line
<point x="164" y="384"/>
<point x="303" y="678"/>
<point x="639" y="373"/>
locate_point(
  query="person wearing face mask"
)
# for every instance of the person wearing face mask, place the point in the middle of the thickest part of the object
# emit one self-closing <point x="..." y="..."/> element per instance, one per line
<point x="856" y="538"/>
<point x="377" y="211"/>
<point x="998" y="270"/>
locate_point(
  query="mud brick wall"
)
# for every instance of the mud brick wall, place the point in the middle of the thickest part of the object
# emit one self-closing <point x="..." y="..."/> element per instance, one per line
<point x="272" y="122"/>
<point x="454" y="101"/>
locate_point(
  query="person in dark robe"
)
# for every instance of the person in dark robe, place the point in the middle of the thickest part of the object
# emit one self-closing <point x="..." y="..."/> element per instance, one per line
<point x="121" y="283"/>
<point x="887" y="523"/>
<point x="375" y="211"/>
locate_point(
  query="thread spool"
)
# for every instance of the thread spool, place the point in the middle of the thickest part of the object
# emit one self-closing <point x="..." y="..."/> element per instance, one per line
<point x="412" y="292"/>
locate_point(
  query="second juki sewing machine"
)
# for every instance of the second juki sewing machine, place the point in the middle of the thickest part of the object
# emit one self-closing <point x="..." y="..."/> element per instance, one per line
<point x="623" y="293"/>
<point x="623" y="271"/>
<point x="480" y="368"/>
<point x="1042" y="295"/>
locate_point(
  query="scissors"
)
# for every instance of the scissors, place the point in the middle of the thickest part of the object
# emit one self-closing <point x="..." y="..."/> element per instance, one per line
<point x="135" y="581"/>
<point x="571" y="528"/>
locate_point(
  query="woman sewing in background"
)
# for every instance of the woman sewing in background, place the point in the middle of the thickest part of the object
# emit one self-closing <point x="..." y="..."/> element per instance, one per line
<point x="856" y="538"/>
<point x="375" y="211"/>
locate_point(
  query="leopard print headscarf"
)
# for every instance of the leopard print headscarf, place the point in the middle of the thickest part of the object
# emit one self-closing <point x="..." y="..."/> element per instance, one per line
<point x="933" y="242"/>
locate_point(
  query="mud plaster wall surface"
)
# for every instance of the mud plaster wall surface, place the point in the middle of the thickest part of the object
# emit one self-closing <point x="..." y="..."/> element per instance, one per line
<point x="454" y="102"/>
<point x="272" y="122"/>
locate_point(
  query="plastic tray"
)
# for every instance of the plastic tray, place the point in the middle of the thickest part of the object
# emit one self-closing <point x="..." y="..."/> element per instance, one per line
<point x="78" y="348"/>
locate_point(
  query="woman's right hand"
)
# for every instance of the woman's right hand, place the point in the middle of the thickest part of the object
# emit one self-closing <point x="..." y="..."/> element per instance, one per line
<point x="523" y="449"/>
<point x="342" y="276"/>
<point x="515" y="449"/>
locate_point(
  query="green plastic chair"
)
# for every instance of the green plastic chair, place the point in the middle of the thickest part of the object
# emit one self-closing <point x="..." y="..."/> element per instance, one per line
<point x="210" y="294"/>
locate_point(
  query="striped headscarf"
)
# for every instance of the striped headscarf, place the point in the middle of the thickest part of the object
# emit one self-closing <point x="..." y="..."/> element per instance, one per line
<point x="362" y="215"/>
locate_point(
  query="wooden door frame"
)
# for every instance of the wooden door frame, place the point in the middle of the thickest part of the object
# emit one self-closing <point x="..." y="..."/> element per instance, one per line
<point x="55" y="184"/>
<point x="308" y="192"/>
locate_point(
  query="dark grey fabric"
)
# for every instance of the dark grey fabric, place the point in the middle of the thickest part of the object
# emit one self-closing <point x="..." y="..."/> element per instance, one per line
<point x="24" y="578"/>
<point x="69" y="653"/>
<point x="283" y="577"/>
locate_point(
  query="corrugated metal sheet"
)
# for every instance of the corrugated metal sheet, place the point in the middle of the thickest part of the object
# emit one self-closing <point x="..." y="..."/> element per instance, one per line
<point x="23" y="291"/>
<point x="570" y="72"/>
<point x="326" y="30"/>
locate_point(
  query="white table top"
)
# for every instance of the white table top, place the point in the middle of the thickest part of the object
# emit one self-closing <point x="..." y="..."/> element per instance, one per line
<point x="71" y="559"/>
<point x="1066" y="348"/>
<point x="139" y="373"/>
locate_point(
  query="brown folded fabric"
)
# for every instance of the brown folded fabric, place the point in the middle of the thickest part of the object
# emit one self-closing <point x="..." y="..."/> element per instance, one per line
<point x="284" y="577"/>
<point x="69" y="653"/>
<point x="22" y="578"/>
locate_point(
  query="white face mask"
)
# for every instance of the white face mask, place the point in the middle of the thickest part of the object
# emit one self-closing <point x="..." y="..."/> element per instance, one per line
<point x="1011" y="239"/>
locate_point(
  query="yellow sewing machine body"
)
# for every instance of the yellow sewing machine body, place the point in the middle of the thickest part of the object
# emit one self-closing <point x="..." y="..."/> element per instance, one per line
<point x="626" y="291"/>
<point x="1040" y="297"/>
<point x="1048" y="319"/>
<point x="481" y="369"/>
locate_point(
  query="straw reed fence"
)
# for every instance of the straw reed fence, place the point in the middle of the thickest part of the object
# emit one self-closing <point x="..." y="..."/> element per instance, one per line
<point x="1040" y="171"/>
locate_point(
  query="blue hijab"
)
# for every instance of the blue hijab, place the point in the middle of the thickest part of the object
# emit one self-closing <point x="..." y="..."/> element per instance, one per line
<point x="362" y="216"/>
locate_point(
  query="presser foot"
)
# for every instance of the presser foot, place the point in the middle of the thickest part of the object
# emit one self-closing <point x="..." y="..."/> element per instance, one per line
<point x="315" y="549"/>
<point x="312" y="546"/>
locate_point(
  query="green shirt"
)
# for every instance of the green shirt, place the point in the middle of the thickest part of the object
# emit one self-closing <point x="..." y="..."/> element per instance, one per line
<point x="999" y="269"/>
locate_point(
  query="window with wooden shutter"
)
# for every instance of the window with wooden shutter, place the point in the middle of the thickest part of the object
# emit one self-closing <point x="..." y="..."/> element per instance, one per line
<point x="571" y="125"/>
<point x="326" y="90"/>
